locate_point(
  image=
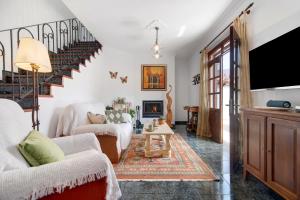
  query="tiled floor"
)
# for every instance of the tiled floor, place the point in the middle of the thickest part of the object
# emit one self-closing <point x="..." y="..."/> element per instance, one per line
<point x="230" y="186"/>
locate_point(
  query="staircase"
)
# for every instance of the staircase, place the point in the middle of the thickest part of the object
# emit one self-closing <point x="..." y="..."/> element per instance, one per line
<point x="69" y="43"/>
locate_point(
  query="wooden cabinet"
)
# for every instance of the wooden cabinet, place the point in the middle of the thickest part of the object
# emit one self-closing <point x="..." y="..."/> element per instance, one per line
<point x="192" y="118"/>
<point x="255" y="145"/>
<point x="272" y="149"/>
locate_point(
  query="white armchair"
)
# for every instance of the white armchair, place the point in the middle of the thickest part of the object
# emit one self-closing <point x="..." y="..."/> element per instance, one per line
<point x="84" y="164"/>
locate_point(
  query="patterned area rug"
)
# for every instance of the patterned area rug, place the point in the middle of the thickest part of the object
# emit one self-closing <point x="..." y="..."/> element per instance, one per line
<point x="183" y="165"/>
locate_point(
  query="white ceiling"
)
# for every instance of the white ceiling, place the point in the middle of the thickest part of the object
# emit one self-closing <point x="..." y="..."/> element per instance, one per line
<point x="121" y="23"/>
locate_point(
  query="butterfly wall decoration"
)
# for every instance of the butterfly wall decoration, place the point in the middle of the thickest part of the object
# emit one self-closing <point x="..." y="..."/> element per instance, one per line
<point x="196" y="79"/>
<point x="124" y="79"/>
<point x="113" y="75"/>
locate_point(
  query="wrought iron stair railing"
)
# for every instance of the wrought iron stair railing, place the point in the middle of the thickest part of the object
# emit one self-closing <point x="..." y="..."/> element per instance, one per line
<point x="69" y="43"/>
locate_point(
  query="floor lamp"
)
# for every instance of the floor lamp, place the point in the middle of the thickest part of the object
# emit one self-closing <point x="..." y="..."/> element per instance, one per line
<point x="32" y="55"/>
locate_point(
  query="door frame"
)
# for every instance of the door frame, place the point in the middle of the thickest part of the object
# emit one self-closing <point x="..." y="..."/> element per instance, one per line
<point x="215" y="56"/>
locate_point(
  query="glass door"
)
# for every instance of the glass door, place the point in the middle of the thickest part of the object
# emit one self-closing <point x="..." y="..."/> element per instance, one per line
<point x="215" y="75"/>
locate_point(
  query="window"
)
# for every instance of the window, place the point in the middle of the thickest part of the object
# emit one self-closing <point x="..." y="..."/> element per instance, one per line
<point x="215" y="73"/>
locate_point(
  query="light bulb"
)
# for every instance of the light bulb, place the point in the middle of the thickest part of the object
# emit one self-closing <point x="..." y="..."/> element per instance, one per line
<point x="156" y="47"/>
<point x="156" y="55"/>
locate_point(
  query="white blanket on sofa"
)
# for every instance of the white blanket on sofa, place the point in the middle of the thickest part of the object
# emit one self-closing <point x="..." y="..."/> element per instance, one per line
<point x="75" y="115"/>
<point x="46" y="179"/>
<point x="121" y="131"/>
<point x="99" y="129"/>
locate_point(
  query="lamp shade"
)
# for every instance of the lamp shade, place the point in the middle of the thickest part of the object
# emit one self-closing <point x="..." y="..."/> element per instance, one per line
<point x="31" y="52"/>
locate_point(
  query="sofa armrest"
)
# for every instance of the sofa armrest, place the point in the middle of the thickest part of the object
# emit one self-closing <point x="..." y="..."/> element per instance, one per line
<point x="77" y="143"/>
<point x="37" y="182"/>
<point x="98" y="129"/>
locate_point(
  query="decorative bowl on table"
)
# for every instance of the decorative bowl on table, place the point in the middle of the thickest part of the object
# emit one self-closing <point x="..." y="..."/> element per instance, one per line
<point x="149" y="130"/>
<point x="161" y="120"/>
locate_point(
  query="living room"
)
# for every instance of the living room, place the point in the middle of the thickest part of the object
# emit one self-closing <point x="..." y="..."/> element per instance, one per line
<point x="134" y="60"/>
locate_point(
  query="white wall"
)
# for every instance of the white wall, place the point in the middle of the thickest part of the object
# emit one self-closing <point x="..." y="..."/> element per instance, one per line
<point x="94" y="84"/>
<point x="182" y="80"/>
<point x="268" y="20"/>
<point x="18" y="13"/>
<point x="194" y="68"/>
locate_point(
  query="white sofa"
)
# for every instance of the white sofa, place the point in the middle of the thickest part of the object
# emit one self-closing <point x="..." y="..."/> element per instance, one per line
<point x="84" y="163"/>
<point x="113" y="138"/>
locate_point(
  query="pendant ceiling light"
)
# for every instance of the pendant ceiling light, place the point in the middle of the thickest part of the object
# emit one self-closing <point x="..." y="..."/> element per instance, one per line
<point x="156" y="25"/>
<point x="156" y="47"/>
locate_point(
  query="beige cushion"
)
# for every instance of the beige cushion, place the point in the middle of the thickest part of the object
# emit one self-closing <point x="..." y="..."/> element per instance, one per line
<point x="96" y="118"/>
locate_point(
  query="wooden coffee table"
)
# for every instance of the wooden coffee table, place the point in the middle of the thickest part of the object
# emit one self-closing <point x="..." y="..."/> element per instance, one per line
<point x="164" y="132"/>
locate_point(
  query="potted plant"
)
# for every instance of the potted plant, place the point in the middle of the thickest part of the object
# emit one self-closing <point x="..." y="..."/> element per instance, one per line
<point x="161" y="120"/>
<point x="132" y="113"/>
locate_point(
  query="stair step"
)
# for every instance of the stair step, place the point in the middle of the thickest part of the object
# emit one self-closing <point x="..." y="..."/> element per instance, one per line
<point x="96" y="43"/>
<point x="87" y="45"/>
<point x="70" y="57"/>
<point x="76" y="52"/>
<point x="10" y="96"/>
<point x="57" y="67"/>
<point x="9" y="90"/>
<point x="27" y="102"/>
<point x="84" y="47"/>
<point x="57" y="79"/>
<point x="66" y="58"/>
<point x="62" y="56"/>
<point x="71" y="54"/>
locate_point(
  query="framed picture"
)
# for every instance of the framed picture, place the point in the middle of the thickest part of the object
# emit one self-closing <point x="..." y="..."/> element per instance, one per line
<point x="154" y="77"/>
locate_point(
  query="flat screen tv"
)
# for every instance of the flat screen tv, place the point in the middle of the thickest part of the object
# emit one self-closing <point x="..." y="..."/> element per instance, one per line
<point x="276" y="63"/>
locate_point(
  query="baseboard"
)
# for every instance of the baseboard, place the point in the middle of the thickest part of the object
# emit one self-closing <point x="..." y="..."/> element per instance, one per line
<point x="180" y="122"/>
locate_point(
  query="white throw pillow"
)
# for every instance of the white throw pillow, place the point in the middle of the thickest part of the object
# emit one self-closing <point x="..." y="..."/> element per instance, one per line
<point x="126" y="118"/>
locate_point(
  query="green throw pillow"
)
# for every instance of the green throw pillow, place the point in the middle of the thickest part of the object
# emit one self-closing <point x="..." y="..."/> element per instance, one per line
<point x="37" y="149"/>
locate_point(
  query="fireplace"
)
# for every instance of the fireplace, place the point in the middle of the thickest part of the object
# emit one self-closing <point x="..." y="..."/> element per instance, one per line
<point x="152" y="109"/>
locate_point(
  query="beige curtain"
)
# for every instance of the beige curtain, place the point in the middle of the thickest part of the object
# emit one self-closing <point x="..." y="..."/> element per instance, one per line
<point x="203" y="118"/>
<point x="240" y="27"/>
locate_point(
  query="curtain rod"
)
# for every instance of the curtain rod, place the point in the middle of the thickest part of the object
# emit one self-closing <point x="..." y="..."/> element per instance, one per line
<point x="247" y="10"/>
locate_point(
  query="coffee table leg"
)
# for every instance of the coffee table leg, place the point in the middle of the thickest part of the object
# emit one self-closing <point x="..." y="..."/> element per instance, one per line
<point x="147" y="147"/>
<point x="167" y="151"/>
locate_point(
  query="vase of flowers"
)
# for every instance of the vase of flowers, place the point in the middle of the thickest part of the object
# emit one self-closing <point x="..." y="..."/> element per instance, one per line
<point x="120" y="100"/>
